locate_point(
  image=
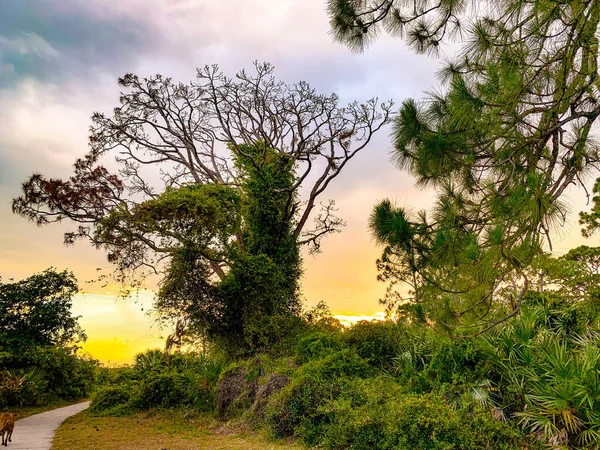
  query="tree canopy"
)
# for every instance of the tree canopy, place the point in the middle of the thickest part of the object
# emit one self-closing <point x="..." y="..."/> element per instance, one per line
<point x="509" y="131"/>
<point x="190" y="134"/>
<point x="36" y="311"/>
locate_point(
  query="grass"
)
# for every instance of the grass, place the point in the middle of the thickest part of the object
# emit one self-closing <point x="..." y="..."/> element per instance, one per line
<point x="26" y="411"/>
<point x="160" y="430"/>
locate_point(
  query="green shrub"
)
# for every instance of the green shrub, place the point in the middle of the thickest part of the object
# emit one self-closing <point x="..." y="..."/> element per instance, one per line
<point x="107" y="399"/>
<point x="377" y="413"/>
<point x="150" y="360"/>
<point x="302" y="408"/>
<point x="111" y="376"/>
<point x="161" y="390"/>
<point x="455" y="360"/>
<point x="66" y="375"/>
<point x="377" y="342"/>
<point x="549" y="380"/>
<point x="275" y="335"/>
<point x="163" y="380"/>
<point x="316" y="345"/>
<point x="22" y="388"/>
<point x="45" y="373"/>
<point x="344" y="363"/>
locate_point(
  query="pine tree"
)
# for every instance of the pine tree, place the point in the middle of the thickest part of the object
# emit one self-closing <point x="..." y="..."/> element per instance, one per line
<point x="509" y="132"/>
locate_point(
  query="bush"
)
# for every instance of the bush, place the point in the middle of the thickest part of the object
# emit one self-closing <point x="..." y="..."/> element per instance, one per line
<point x="316" y="345"/>
<point x="111" y="376"/>
<point x="455" y="361"/>
<point x="66" y="375"/>
<point x="21" y="388"/>
<point x="301" y="408"/>
<point x="46" y="373"/>
<point x="377" y="413"/>
<point x="275" y="335"/>
<point x="161" y="390"/>
<point x="377" y="342"/>
<point x="149" y="361"/>
<point x="163" y="380"/>
<point x="549" y="380"/>
<point x="109" y="400"/>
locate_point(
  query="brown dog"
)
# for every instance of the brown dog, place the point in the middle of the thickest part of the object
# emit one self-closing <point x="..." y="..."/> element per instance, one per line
<point x="7" y="425"/>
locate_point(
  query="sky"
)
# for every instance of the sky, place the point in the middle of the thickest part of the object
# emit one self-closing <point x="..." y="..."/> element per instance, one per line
<point x="59" y="62"/>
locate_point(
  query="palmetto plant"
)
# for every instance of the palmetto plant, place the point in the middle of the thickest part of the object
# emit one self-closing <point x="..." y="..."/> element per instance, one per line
<point x="550" y="379"/>
<point x="21" y="387"/>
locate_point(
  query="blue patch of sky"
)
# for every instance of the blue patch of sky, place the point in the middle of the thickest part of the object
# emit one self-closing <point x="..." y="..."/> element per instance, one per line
<point x="54" y="41"/>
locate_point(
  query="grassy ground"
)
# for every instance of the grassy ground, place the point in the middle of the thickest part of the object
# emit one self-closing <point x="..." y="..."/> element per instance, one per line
<point x="178" y="430"/>
<point x="26" y="411"/>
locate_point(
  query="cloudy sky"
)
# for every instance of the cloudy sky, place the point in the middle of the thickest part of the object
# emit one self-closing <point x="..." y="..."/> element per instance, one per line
<point x="59" y="62"/>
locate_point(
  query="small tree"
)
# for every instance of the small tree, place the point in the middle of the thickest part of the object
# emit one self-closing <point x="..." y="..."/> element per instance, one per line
<point x="36" y="312"/>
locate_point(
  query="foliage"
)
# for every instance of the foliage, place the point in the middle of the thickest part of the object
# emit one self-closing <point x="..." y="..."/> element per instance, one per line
<point x="507" y="135"/>
<point x="20" y="387"/>
<point x="65" y="374"/>
<point x="376" y="342"/>
<point x="110" y="400"/>
<point x="376" y="413"/>
<point x="36" y="311"/>
<point x="591" y="220"/>
<point x="547" y="361"/>
<point x="301" y="408"/>
<point x="159" y="380"/>
<point x="38" y="356"/>
<point x="529" y="382"/>
<point x="316" y="345"/>
<point x="161" y="390"/>
<point x="263" y="258"/>
<point x="275" y="335"/>
<point x="339" y="402"/>
<point x="320" y="318"/>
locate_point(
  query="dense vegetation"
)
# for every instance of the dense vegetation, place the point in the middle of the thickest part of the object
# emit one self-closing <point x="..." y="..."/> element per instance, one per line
<point x="39" y="360"/>
<point x="507" y="130"/>
<point x="397" y="385"/>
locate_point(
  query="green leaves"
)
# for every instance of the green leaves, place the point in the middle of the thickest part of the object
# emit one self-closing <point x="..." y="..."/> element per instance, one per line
<point x="247" y="230"/>
<point x="550" y="370"/>
<point x="591" y="220"/>
<point x="389" y="224"/>
<point x="36" y="311"/>
<point x="424" y="24"/>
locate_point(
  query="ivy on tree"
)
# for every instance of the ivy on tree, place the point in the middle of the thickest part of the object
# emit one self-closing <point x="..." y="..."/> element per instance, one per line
<point x="508" y="133"/>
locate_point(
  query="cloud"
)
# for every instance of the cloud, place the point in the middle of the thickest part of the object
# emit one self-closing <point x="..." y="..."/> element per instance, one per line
<point x="28" y="43"/>
<point x="54" y="40"/>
